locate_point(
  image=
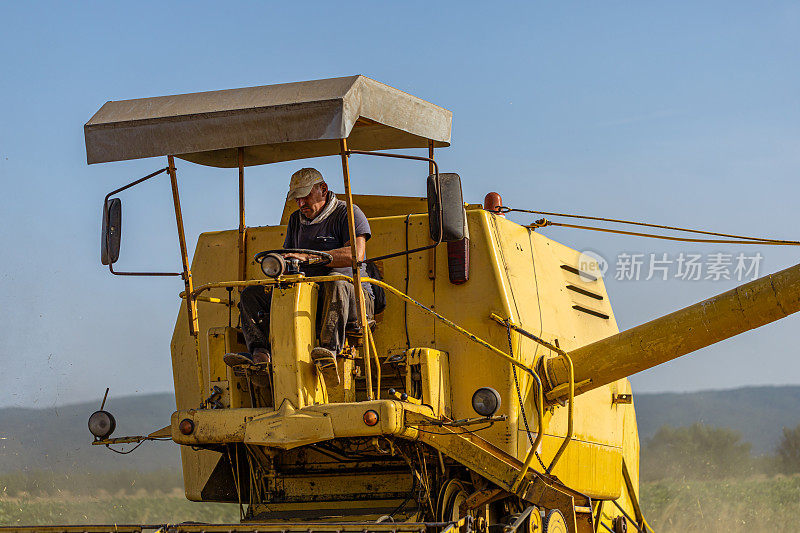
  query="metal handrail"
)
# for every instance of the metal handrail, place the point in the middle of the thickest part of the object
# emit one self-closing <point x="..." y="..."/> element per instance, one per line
<point x="539" y="415"/>
<point x="571" y="388"/>
<point x="397" y="292"/>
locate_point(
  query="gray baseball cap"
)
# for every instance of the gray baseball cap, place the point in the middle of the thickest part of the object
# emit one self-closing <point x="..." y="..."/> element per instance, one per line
<point x="302" y="182"/>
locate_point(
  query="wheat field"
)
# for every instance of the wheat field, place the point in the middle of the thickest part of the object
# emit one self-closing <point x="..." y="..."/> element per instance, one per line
<point x="747" y="505"/>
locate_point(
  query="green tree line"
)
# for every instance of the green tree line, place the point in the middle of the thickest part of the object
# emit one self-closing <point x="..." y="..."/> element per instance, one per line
<point x="701" y="452"/>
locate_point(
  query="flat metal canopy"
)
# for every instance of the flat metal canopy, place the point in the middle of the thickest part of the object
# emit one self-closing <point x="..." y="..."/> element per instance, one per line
<point x="272" y="123"/>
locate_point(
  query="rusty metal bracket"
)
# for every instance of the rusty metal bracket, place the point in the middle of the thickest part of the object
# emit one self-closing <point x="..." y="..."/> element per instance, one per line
<point x="483" y="497"/>
<point x="622" y="399"/>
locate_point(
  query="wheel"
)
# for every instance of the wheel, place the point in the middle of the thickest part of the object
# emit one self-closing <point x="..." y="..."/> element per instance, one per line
<point x="535" y="522"/>
<point x="554" y="522"/>
<point x="532" y="525"/>
<point x="452" y="495"/>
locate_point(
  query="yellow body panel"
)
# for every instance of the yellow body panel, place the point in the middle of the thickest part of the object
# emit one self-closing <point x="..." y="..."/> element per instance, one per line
<point x="293" y="314"/>
<point x="288" y="427"/>
<point x="514" y="273"/>
<point x="434" y="379"/>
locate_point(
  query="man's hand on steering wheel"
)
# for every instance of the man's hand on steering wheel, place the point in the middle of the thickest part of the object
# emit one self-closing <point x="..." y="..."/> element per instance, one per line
<point x="275" y="262"/>
<point x="306" y="257"/>
<point x="303" y="257"/>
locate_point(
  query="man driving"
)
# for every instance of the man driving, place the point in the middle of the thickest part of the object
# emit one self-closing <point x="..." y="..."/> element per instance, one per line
<point x="320" y="223"/>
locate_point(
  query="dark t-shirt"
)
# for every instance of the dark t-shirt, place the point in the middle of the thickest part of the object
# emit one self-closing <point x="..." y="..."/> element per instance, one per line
<point x="328" y="234"/>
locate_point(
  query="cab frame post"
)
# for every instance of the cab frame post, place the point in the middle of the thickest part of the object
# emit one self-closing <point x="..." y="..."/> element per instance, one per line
<point x="242" y="228"/>
<point x="432" y="251"/>
<point x="431" y="168"/>
<point x="351" y="228"/>
<point x="191" y="301"/>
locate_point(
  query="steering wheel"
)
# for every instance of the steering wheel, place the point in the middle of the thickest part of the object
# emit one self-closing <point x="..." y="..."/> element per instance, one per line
<point x="273" y="264"/>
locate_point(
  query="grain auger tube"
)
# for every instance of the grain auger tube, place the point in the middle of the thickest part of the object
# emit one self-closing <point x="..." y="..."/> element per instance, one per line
<point x="720" y="317"/>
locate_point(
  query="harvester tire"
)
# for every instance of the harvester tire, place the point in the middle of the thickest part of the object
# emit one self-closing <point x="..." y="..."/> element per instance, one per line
<point x="452" y="495"/>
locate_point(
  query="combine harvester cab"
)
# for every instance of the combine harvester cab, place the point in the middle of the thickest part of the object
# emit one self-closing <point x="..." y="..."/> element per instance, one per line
<point x="489" y="395"/>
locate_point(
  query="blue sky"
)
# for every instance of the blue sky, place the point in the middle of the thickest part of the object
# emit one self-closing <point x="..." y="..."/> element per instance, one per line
<point x="682" y="113"/>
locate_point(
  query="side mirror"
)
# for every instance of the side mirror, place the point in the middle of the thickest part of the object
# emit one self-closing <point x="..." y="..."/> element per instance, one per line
<point x="112" y="231"/>
<point x="449" y="202"/>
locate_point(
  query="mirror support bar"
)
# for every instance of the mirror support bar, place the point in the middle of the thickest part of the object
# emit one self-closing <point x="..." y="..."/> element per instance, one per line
<point x="105" y="201"/>
<point x="431" y="164"/>
<point x="432" y="251"/>
<point x="351" y="228"/>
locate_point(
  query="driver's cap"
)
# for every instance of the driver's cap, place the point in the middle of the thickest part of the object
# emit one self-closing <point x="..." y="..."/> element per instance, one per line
<point x="302" y="182"/>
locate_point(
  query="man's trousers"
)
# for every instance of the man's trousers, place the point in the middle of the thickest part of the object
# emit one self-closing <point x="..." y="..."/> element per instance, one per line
<point x="336" y="313"/>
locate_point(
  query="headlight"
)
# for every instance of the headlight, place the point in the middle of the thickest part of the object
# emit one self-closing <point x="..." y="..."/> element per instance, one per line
<point x="102" y="424"/>
<point x="273" y="265"/>
<point x="486" y="401"/>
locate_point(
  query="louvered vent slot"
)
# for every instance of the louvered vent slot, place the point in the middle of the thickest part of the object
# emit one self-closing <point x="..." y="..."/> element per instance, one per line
<point x="581" y="290"/>
<point x="584" y="275"/>
<point x="590" y="311"/>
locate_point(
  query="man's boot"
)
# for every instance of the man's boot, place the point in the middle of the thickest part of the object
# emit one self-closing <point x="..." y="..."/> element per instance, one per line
<point x="259" y="355"/>
<point x="325" y="360"/>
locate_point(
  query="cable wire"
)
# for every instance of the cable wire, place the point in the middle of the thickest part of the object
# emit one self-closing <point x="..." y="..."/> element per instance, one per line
<point x="465" y="430"/>
<point x="729" y="237"/>
<point x="121" y="452"/>
<point x="519" y="397"/>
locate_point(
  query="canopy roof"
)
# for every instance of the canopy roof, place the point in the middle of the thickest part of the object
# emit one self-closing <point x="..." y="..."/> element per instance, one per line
<point x="272" y="123"/>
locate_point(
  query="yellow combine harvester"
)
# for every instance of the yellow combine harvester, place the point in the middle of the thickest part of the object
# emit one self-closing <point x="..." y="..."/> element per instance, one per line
<point x="489" y="395"/>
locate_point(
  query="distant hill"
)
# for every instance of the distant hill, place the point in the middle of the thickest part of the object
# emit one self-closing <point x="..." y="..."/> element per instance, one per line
<point x="58" y="439"/>
<point x="758" y="413"/>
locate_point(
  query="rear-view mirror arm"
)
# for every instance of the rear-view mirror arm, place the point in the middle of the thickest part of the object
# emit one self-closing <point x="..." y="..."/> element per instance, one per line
<point x="435" y="166"/>
<point x="106" y="236"/>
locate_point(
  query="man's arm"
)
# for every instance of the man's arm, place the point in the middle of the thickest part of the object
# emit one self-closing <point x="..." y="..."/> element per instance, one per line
<point x="341" y="256"/>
